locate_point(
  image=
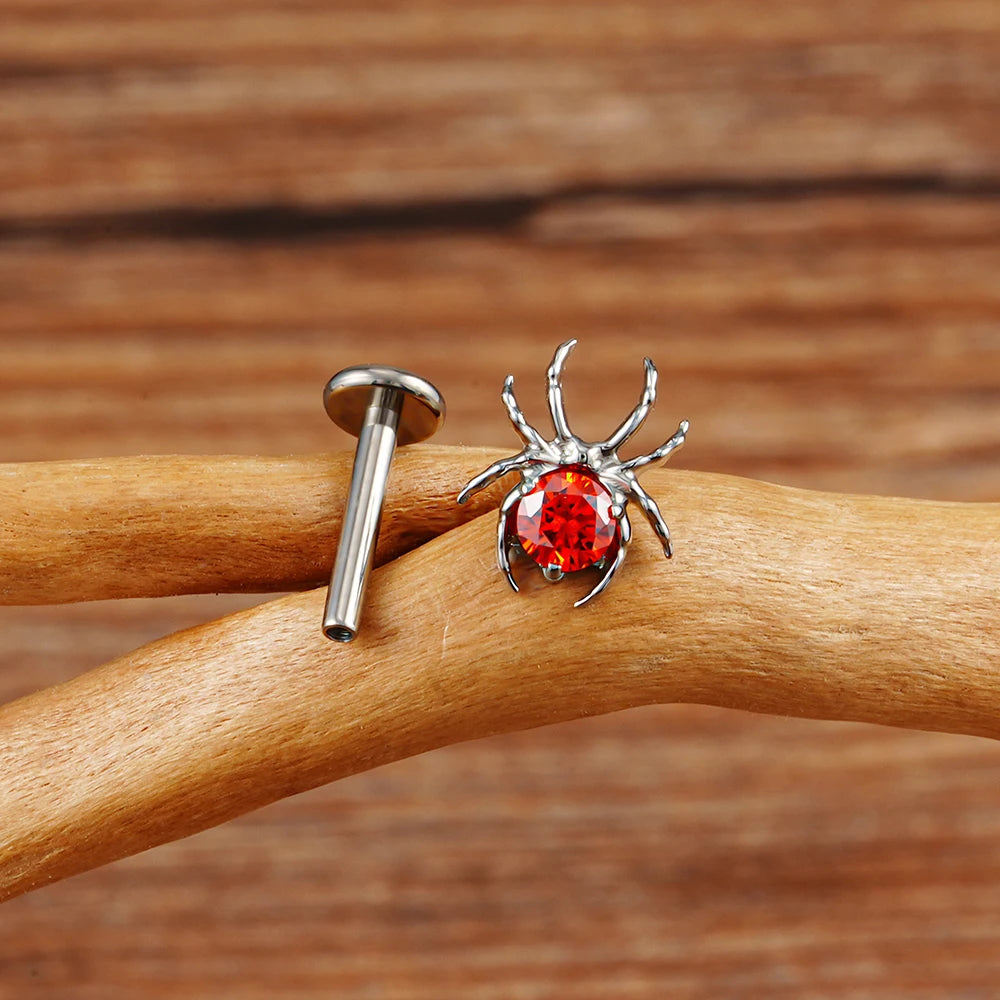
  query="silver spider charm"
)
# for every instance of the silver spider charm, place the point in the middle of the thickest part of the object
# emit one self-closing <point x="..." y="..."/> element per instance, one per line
<point x="608" y="482"/>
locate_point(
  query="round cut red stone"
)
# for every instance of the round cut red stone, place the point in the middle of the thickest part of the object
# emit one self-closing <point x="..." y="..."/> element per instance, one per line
<point x="566" y="520"/>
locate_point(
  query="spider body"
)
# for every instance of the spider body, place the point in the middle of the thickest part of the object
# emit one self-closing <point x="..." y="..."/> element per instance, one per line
<point x="566" y="522"/>
<point x="569" y="510"/>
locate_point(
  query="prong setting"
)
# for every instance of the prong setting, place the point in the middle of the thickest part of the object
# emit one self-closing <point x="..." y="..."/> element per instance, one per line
<point x="594" y="462"/>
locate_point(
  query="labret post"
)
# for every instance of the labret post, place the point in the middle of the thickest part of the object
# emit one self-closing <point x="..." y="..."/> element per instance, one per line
<point x="381" y="407"/>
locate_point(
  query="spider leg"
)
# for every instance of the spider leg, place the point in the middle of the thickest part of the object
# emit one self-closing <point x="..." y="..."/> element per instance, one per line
<point x="528" y="433"/>
<point x="661" y="453"/>
<point x="503" y="556"/>
<point x="648" y="506"/>
<point x="638" y="416"/>
<point x="556" y="406"/>
<point x="626" y="535"/>
<point x="492" y="474"/>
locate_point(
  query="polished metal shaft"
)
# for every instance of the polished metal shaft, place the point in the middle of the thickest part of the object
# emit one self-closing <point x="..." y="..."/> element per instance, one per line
<point x="359" y="534"/>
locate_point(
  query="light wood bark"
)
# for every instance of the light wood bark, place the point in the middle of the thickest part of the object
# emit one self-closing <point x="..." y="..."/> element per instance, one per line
<point x="172" y="524"/>
<point x="243" y="160"/>
<point x="777" y="600"/>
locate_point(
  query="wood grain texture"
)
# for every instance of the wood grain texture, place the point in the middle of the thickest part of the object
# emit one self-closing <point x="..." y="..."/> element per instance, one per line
<point x="851" y="608"/>
<point x="227" y="105"/>
<point x="870" y="319"/>
<point x="177" y="524"/>
<point x="210" y="207"/>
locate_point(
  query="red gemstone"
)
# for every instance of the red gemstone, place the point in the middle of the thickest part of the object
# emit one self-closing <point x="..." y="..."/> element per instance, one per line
<point x="566" y="520"/>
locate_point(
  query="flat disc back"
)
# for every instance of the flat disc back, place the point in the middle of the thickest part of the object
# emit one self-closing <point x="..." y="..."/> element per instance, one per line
<point x="347" y="394"/>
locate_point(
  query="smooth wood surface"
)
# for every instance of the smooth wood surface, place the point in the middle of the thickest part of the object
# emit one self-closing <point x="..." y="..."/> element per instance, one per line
<point x="178" y="524"/>
<point x="849" y="608"/>
<point x="211" y="106"/>
<point x="842" y="343"/>
<point x="208" y="208"/>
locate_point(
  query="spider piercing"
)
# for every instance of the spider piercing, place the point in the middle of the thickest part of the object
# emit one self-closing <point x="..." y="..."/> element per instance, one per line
<point x="568" y="511"/>
<point x="379" y="405"/>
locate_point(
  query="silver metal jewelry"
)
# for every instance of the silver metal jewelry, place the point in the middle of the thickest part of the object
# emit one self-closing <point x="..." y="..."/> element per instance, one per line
<point x="615" y="485"/>
<point x="380" y="406"/>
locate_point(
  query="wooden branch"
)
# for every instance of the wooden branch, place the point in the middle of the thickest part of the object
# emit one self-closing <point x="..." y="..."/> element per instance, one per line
<point x="777" y="600"/>
<point x="172" y="524"/>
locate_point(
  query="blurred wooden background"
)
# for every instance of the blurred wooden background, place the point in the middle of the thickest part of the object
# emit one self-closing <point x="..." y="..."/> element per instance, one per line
<point x="207" y="207"/>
